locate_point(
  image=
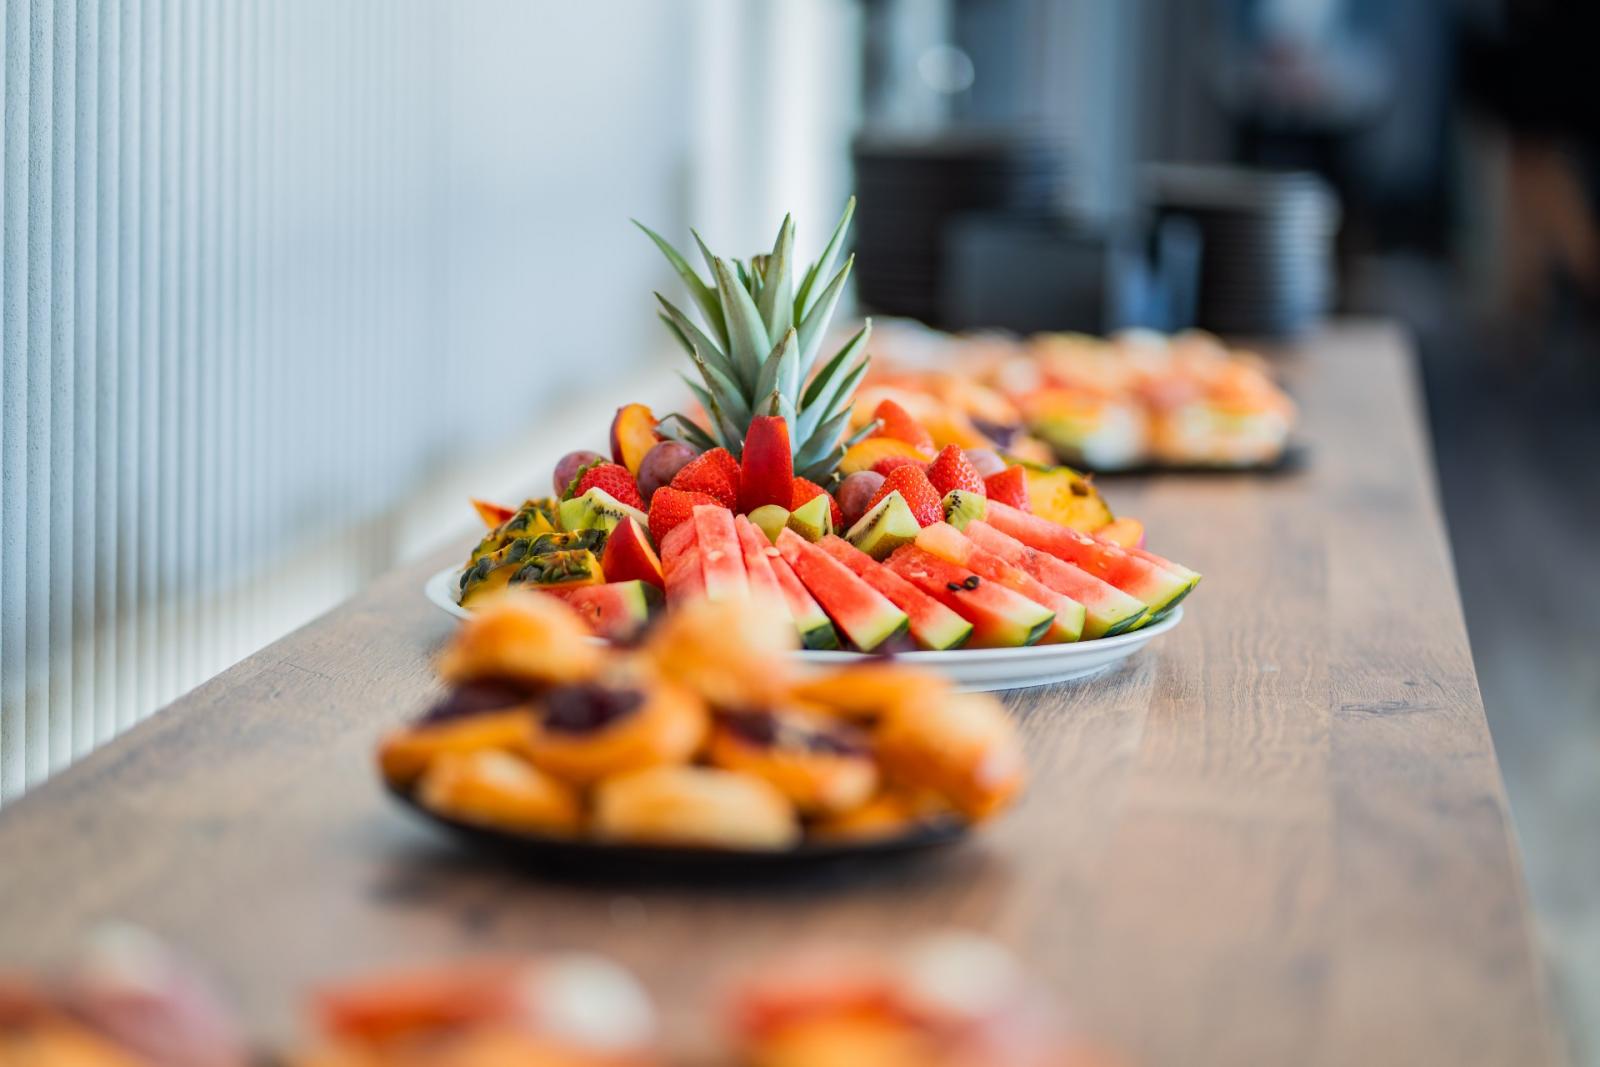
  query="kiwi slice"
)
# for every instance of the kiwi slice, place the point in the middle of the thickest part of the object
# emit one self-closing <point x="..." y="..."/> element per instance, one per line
<point x="813" y="520"/>
<point x="598" y="510"/>
<point x="962" y="507"/>
<point x="885" y="528"/>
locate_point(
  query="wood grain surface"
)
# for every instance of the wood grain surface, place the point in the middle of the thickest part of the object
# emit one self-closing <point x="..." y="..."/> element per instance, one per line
<point x="1278" y="836"/>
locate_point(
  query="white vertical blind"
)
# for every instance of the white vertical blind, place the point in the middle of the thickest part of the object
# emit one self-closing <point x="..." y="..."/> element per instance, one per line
<point x="267" y="267"/>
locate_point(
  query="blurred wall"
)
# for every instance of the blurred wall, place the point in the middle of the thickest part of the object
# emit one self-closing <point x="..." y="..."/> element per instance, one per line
<point x="270" y="267"/>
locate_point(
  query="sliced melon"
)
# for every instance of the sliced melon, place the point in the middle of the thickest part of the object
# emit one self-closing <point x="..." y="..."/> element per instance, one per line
<point x="721" y="560"/>
<point x="862" y="613"/>
<point x="1107" y="609"/>
<point x="1156" y="587"/>
<point x="680" y="565"/>
<point x="1000" y="617"/>
<point x="813" y="520"/>
<point x="770" y="518"/>
<point x="771" y="577"/>
<point x="948" y="543"/>
<point x="933" y="625"/>
<point x="615" y="610"/>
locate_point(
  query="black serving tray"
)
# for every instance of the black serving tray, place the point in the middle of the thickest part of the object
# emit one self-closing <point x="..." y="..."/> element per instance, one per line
<point x="584" y="858"/>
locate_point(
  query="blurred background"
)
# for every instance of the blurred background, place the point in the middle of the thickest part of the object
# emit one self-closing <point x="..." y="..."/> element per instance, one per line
<point x="283" y="282"/>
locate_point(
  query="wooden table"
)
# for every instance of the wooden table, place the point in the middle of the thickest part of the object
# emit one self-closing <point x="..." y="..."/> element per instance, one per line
<point x="1278" y="836"/>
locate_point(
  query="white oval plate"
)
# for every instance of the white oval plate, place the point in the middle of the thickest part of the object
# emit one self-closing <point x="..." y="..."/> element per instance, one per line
<point x="972" y="669"/>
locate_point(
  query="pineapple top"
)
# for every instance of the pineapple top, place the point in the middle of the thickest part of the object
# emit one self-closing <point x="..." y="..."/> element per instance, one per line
<point x="761" y="340"/>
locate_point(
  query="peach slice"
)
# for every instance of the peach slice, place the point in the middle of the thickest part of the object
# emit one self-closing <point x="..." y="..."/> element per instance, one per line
<point x="628" y="556"/>
<point x="633" y="433"/>
<point x="493" y="515"/>
<point x="1128" y="533"/>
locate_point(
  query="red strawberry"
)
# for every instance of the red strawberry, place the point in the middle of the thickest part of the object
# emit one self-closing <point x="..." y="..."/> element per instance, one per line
<point x="806" y="490"/>
<point x="715" y="473"/>
<point x="951" y="469"/>
<point x="898" y="423"/>
<point x="889" y="463"/>
<point x="918" y="492"/>
<point x="614" y="479"/>
<point x="670" y="506"/>
<point x="766" y="473"/>
<point x="1010" y="486"/>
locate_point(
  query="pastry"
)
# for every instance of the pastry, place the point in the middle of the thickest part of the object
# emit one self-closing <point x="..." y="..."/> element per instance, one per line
<point x="869" y="691"/>
<point x="696" y="807"/>
<point x="891" y="813"/>
<point x="494" y="788"/>
<point x="824" y="767"/>
<point x="522" y="636"/>
<point x="627" y="721"/>
<point x="728" y="651"/>
<point x="404" y="754"/>
<point x="962" y="747"/>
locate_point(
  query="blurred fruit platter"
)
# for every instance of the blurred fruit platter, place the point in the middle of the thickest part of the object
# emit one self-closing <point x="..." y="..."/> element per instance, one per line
<point x="704" y="741"/>
<point x="867" y="527"/>
<point x="1136" y="401"/>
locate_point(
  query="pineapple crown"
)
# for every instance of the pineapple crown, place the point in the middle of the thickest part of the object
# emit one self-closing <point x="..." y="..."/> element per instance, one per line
<point x="761" y="340"/>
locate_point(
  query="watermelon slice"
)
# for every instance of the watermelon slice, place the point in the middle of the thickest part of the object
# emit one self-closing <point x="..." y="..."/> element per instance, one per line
<point x="615" y="610"/>
<point x="1000" y="617"/>
<point x="865" y="615"/>
<point x="721" y="560"/>
<point x="680" y="565"/>
<point x="771" y="577"/>
<point x="1108" y="610"/>
<point x="932" y="624"/>
<point x="1154" y="585"/>
<point x="948" y="543"/>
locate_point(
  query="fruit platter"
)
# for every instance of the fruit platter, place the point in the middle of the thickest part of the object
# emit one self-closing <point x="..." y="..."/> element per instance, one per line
<point x="868" y="529"/>
<point x="703" y="745"/>
<point x="1138" y="400"/>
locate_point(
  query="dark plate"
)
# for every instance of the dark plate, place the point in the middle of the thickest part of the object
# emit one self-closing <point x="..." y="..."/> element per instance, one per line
<point x="1296" y="456"/>
<point x="584" y="859"/>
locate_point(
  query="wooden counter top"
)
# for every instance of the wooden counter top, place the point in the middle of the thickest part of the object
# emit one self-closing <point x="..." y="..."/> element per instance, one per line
<point x="1278" y="836"/>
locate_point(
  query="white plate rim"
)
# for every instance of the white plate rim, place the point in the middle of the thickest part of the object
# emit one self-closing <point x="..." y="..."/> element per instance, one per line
<point x="440" y="589"/>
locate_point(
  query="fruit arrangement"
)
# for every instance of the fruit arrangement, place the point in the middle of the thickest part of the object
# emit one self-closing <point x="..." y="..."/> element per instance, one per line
<point x="1137" y="399"/>
<point x="700" y="737"/>
<point x="867" y="530"/>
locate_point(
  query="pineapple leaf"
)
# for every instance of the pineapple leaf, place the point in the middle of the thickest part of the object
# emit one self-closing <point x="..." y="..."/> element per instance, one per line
<point x="776" y="302"/>
<point x="861" y="434"/>
<point x="704" y="295"/>
<point x="823" y="469"/>
<point x="695" y="340"/>
<point x="747" y="336"/>
<point x="727" y="392"/>
<point x="838" y="401"/>
<point x="824" y="263"/>
<point x="705" y="254"/>
<point x="819" y="384"/>
<point x="823" y="441"/>
<point x="730" y="432"/>
<point x="690" y="433"/>
<point x="780" y="372"/>
<point x="815" y="322"/>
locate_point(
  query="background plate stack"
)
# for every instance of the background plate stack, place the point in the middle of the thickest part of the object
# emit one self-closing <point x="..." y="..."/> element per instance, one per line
<point x="911" y="188"/>
<point x="1266" y="266"/>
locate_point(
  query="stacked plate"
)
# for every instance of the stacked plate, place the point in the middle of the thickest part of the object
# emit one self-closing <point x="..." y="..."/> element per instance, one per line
<point x="910" y="188"/>
<point x="1266" y="265"/>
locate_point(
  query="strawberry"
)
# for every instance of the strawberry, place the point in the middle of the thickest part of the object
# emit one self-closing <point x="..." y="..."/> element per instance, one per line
<point x="671" y="506"/>
<point x="919" y="494"/>
<point x="766" y="473"/>
<point x="898" y="423"/>
<point x="889" y="463"/>
<point x="614" y="479"/>
<point x="951" y="469"/>
<point x="806" y="490"/>
<point x="1010" y="486"/>
<point x="714" y="473"/>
